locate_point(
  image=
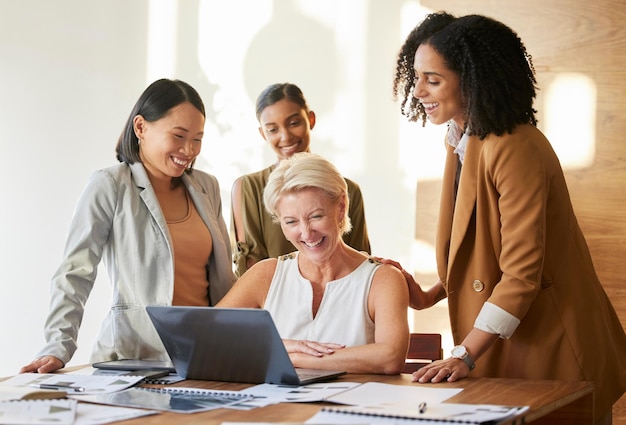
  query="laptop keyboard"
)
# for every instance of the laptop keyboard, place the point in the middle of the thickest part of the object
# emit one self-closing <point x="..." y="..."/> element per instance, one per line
<point x="306" y="375"/>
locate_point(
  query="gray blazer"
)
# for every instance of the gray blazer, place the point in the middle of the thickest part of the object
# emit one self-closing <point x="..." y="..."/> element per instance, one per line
<point x="118" y="219"/>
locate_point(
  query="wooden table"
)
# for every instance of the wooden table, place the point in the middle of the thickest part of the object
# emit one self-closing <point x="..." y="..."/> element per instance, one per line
<point x="551" y="402"/>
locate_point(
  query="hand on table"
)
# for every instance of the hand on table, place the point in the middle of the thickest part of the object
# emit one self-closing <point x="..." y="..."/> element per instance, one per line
<point x="450" y="370"/>
<point x="45" y="364"/>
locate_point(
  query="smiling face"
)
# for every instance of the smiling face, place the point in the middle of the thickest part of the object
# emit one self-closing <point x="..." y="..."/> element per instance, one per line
<point x="169" y="145"/>
<point x="310" y="221"/>
<point x="437" y="87"/>
<point x="286" y="126"/>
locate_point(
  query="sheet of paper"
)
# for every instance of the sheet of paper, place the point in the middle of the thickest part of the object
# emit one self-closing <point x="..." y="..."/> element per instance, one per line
<point x="262" y="423"/>
<point x="376" y="394"/>
<point x="48" y="411"/>
<point x="273" y="393"/>
<point x="92" y="384"/>
<point x="97" y="414"/>
<point x="26" y="393"/>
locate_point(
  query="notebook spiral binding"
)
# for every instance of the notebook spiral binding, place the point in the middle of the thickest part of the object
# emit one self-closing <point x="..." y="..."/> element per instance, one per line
<point x="198" y="392"/>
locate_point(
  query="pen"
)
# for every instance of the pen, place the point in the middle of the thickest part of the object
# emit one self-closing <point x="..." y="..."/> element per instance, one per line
<point x="59" y="387"/>
<point x="422" y="407"/>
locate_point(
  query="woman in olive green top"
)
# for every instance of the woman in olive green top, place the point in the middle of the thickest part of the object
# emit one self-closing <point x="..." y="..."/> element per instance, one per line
<point x="285" y="122"/>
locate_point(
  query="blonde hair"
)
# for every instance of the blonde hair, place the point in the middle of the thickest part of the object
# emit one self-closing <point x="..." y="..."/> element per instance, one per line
<point x="306" y="170"/>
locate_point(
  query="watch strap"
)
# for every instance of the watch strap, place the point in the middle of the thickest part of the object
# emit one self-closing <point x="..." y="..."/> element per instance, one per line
<point x="468" y="361"/>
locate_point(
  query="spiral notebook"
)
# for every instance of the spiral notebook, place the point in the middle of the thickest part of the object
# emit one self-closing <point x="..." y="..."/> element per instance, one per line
<point x="172" y="399"/>
<point x="440" y="413"/>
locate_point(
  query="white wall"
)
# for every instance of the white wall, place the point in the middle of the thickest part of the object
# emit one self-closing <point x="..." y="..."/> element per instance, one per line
<point x="71" y="70"/>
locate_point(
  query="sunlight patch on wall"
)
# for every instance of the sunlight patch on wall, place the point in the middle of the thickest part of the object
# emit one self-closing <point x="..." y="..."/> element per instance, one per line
<point x="423" y="254"/>
<point x="570" y="105"/>
<point x="421" y="155"/>
<point x="412" y="13"/>
<point x="241" y="53"/>
<point x="162" y="28"/>
<point x="420" y="149"/>
<point x="225" y="38"/>
<point x="340" y="113"/>
<point x="231" y="137"/>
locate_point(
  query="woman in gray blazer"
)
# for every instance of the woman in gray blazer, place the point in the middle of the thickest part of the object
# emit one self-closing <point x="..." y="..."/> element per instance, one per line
<point x="155" y="222"/>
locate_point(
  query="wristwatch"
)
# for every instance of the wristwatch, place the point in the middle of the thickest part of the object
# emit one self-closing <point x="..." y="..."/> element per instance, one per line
<point x="460" y="352"/>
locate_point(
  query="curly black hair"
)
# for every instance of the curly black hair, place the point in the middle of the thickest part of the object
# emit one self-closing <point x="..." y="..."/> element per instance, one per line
<point x="496" y="74"/>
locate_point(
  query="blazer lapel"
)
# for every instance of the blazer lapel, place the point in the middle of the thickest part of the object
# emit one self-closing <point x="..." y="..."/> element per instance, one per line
<point x="149" y="198"/>
<point x="446" y="211"/>
<point x="456" y="209"/>
<point x="465" y="204"/>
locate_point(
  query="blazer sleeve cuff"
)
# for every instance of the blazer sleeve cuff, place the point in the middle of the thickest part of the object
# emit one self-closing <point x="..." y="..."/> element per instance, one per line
<point x="495" y="320"/>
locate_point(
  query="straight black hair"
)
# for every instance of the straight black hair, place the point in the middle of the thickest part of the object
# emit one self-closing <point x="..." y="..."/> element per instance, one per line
<point x="153" y="104"/>
<point x="279" y="91"/>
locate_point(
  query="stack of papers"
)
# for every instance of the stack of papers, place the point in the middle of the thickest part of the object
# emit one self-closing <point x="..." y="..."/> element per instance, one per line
<point x="350" y="393"/>
<point x="72" y="383"/>
<point x="43" y="411"/>
<point x="23" y="401"/>
<point x="379" y="403"/>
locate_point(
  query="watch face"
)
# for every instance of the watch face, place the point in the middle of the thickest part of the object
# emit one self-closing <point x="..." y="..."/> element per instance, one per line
<point x="459" y="351"/>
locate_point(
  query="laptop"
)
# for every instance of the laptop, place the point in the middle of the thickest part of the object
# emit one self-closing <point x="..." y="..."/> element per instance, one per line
<point x="229" y="344"/>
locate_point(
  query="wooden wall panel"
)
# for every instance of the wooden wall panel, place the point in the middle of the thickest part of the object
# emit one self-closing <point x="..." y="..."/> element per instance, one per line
<point x="566" y="36"/>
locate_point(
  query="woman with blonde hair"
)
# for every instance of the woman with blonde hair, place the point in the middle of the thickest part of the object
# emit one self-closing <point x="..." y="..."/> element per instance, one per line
<point x="335" y="307"/>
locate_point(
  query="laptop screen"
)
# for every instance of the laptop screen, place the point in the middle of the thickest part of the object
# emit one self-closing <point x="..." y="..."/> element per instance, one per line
<point x="226" y="344"/>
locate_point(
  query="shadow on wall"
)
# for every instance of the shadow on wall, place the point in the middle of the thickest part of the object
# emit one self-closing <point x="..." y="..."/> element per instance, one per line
<point x="284" y="51"/>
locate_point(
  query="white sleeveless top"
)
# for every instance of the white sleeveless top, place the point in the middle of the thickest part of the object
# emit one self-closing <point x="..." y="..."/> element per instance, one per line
<point x="342" y="316"/>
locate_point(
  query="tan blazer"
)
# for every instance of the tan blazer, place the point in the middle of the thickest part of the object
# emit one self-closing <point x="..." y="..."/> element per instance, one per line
<point x="513" y="240"/>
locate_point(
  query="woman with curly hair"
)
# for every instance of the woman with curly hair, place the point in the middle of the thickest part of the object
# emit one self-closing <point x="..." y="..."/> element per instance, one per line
<point x="523" y="295"/>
